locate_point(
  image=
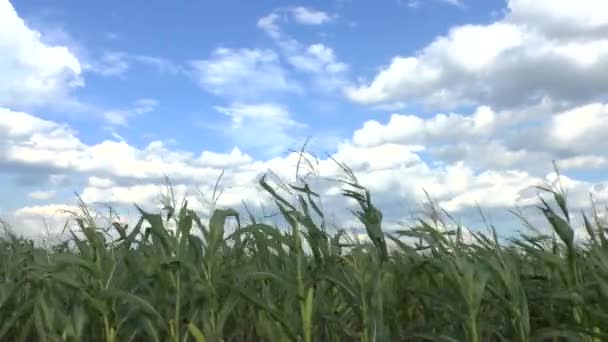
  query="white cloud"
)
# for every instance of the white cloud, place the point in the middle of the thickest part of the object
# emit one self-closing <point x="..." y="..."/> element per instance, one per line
<point x="31" y="143"/>
<point x="144" y="105"/>
<point x="149" y="196"/>
<point x="126" y="195"/>
<point x="57" y="179"/>
<point x="585" y="162"/>
<point x="457" y="3"/>
<point x="515" y="61"/>
<point x="220" y="160"/>
<point x="248" y="121"/>
<point x="578" y="191"/>
<point x="581" y="129"/>
<point x="264" y="112"/>
<point x="41" y="221"/>
<point x="163" y="65"/>
<point x="100" y="182"/>
<point x="47" y="210"/>
<point x="269" y="24"/>
<point x="41" y="195"/>
<point x="120" y="117"/>
<point x="301" y="15"/>
<point x="492" y="189"/>
<point x="412" y="3"/>
<point x="318" y="60"/>
<point x="232" y="72"/>
<point x="116" y="117"/>
<point x="412" y="129"/>
<point x="396" y="173"/>
<point x="562" y="17"/>
<point x="110" y="64"/>
<point x="309" y="16"/>
<point x="380" y="157"/>
<point x="33" y="73"/>
<point x="34" y="137"/>
<point x="392" y="162"/>
<point x="117" y="63"/>
<point x="418" y="3"/>
<point x="527" y="139"/>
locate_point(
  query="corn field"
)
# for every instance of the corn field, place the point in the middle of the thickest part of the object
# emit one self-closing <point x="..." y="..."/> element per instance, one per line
<point x="259" y="282"/>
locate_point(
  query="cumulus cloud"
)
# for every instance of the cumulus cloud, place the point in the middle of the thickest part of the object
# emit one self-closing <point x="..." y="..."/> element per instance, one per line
<point x="38" y="140"/>
<point x="33" y="73"/>
<point x="579" y="130"/>
<point x="516" y="61"/>
<point x="395" y="168"/>
<point x="562" y="18"/>
<point x="120" y="195"/>
<point x="31" y="142"/>
<point x="40" y="222"/>
<point x="412" y="129"/>
<point x="528" y="139"/>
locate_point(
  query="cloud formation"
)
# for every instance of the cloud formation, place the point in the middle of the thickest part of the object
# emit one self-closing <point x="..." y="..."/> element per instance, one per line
<point x="317" y="60"/>
<point x="309" y="16"/>
<point x="387" y="159"/>
<point x="242" y="73"/>
<point x="508" y="63"/>
<point x="525" y="114"/>
<point x="120" y="117"/>
<point x="33" y="73"/>
<point x="248" y="121"/>
<point x="118" y="63"/>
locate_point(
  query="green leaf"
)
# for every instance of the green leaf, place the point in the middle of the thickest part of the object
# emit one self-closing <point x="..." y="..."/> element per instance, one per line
<point x="196" y="332"/>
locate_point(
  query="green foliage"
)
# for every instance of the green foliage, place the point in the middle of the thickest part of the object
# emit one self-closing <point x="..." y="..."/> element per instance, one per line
<point x="260" y="283"/>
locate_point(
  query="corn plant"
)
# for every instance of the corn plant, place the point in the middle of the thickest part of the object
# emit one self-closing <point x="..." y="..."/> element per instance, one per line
<point x="174" y="276"/>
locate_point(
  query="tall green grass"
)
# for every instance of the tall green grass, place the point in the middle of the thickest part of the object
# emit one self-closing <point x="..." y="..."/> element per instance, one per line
<point x="200" y="282"/>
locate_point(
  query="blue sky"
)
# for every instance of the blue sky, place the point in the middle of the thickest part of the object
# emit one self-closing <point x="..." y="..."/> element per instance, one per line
<point x="471" y="100"/>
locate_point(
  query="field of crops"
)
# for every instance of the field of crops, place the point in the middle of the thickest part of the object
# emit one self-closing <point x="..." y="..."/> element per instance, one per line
<point x="201" y="282"/>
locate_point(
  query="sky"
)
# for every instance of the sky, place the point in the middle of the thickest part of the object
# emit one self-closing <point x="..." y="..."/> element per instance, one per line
<point x="468" y="101"/>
